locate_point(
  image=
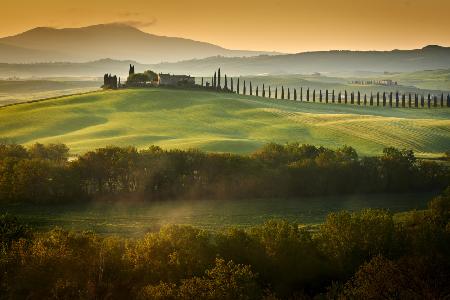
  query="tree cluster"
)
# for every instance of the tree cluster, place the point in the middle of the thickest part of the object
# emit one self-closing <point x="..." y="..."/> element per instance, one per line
<point x="43" y="173"/>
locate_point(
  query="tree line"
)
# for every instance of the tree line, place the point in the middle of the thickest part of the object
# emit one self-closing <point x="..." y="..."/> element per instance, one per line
<point x="385" y="99"/>
<point x="370" y="254"/>
<point x="44" y="173"/>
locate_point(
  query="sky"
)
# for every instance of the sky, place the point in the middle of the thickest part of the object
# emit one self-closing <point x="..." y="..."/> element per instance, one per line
<point x="288" y="26"/>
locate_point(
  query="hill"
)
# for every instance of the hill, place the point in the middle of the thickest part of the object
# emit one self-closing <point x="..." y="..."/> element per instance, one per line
<point x="427" y="58"/>
<point x="117" y="41"/>
<point x="219" y="122"/>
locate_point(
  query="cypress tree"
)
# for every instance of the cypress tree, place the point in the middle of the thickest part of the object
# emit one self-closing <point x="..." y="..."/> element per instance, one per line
<point x="245" y="89"/>
<point x="301" y="94"/>
<point x="365" y="99"/>
<point x="409" y="100"/>
<point x="448" y="100"/>
<point x="339" y="97"/>
<point x="326" y="96"/>
<point x="378" y="98"/>
<point x="215" y="80"/>
<point x="237" y="86"/>
<point x="257" y="91"/>
<point x="289" y="94"/>
<point x="390" y="99"/>
<point x="218" y="80"/>
<point x="264" y="91"/>
<point x="276" y="92"/>
<point x="226" y="83"/>
<point x="442" y="100"/>
<point x="345" y="97"/>
<point x="232" y="86"/>
<point x="307" y="95"/>
<point x="320" y="95"/>
<point x="434" y="101"/>
<point x="270" y="92"/>
<point x="351" y="98"/>
<point x="359" y="98"/>
<point x="202" y="81"/>
<point x="416" y="100"/>
<point x="384" y="98"/>
<point x="403" y="100"/>
<point x="314" y="96"/>
<point x="332" y="97"/>
<point x="371" y="99"/>
<point x="295" y="94"/>
<point x="429" y="100"/>
<point x="282" y="92"/>
<point x="397" y="100"/>
<point x="251" y="89"/>
<point x="422" y="100"/>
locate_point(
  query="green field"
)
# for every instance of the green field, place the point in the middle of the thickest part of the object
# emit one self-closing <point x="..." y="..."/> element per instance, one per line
<point x="219" y="122"/>
<point x="130" y="218"/>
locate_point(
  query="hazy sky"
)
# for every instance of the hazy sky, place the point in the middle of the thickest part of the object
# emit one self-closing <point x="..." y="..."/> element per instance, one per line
<point x="281" y="25"/>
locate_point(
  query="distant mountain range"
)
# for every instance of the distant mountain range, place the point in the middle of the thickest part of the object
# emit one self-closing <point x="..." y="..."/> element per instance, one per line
<point x="115" y="41"/>
<point x="428" y="58"/>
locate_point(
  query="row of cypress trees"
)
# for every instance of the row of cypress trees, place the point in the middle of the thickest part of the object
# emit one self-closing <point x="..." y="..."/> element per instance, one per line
<point x="390" y="99"/>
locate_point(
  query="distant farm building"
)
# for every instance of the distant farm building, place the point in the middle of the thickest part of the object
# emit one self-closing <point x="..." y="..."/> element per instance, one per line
<point x="176" y="80"/>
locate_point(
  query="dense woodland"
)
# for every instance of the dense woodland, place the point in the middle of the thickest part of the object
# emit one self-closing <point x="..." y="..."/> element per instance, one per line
<point x="44" y="174"/>
<point x="365" y="255"/>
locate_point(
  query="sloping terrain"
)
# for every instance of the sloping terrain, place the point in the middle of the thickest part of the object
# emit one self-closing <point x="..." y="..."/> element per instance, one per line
<point x="220" y="122"/>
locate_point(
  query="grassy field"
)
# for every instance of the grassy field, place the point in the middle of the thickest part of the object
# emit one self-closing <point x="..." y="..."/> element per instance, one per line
<point x="219" y="122"/>
<point x="137" y="218"/>
<point x="15" y="91"/>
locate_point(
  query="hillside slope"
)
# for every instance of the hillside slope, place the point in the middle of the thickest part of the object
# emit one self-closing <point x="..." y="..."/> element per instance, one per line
<point x="118" y="41"/>
<point x="219" y="122"/>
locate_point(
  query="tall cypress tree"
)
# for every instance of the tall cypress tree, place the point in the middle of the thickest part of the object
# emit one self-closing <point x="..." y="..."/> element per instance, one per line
<point x="397" y="100"/>
<point x="301" y="94"/>
<point x="276" y="92"/>
<point x="365" y="99"/>
<point x="289" y="94"/>
<point x="429" y="100"/>
<point x="359" y="98"/>
<point x="371" y="99"/>
<point x="422" y="100"/>
<point x="345" y="96"/>
<point x="257" y="91"/>
<point x="339" y="97"/>
<point x="202" y="81"/>
<point x="384" y="98"/>
<point x="238" y="87"/>
<point x="403" y="100"/>
<point x="390" y="99"/>
<point x="295" y="94"/>
<point x="264" y="91"/>
<point x="409" y="99"/>
<point x="434" y="101"/>
<point x="219" y="86"/>
<point x="442" y="100"/>
<point x="245" y="89"/>
<point x="251" y="89"/>
<point x="282" y="92"/>
<point x="232" y="86"/>
<point x="314" y="96"/>
<point x="215" y="80"/>
<point x="270" y="92"/>
<point x="448" y="100"/>
<point x="320" y="95"/>
<point x="326" y="96"/>
<point x="226" y="83"/>
<point x="332" y="96"/>
<point x="378" y="98"/>
<point x="307" y="95"/>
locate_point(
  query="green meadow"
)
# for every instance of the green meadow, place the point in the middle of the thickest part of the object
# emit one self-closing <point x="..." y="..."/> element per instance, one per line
<point x="220" y="122"/>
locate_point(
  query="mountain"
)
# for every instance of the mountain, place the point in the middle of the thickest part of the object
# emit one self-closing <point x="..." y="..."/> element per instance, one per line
<point x="427" y="58"/>
<point x="116" y="41"/>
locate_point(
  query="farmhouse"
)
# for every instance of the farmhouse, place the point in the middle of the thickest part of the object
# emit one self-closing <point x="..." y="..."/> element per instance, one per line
<point x="176" y="80"/>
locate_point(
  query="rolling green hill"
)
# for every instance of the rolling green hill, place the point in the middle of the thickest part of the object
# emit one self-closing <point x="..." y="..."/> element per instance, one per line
<point x="219" y="122"/>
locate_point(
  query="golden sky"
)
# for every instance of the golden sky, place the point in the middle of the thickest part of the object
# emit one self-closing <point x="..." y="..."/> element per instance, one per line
<point x="280" y="25"/>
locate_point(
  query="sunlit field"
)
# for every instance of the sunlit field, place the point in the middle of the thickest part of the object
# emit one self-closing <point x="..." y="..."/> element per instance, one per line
<point x="220" y="122"/>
